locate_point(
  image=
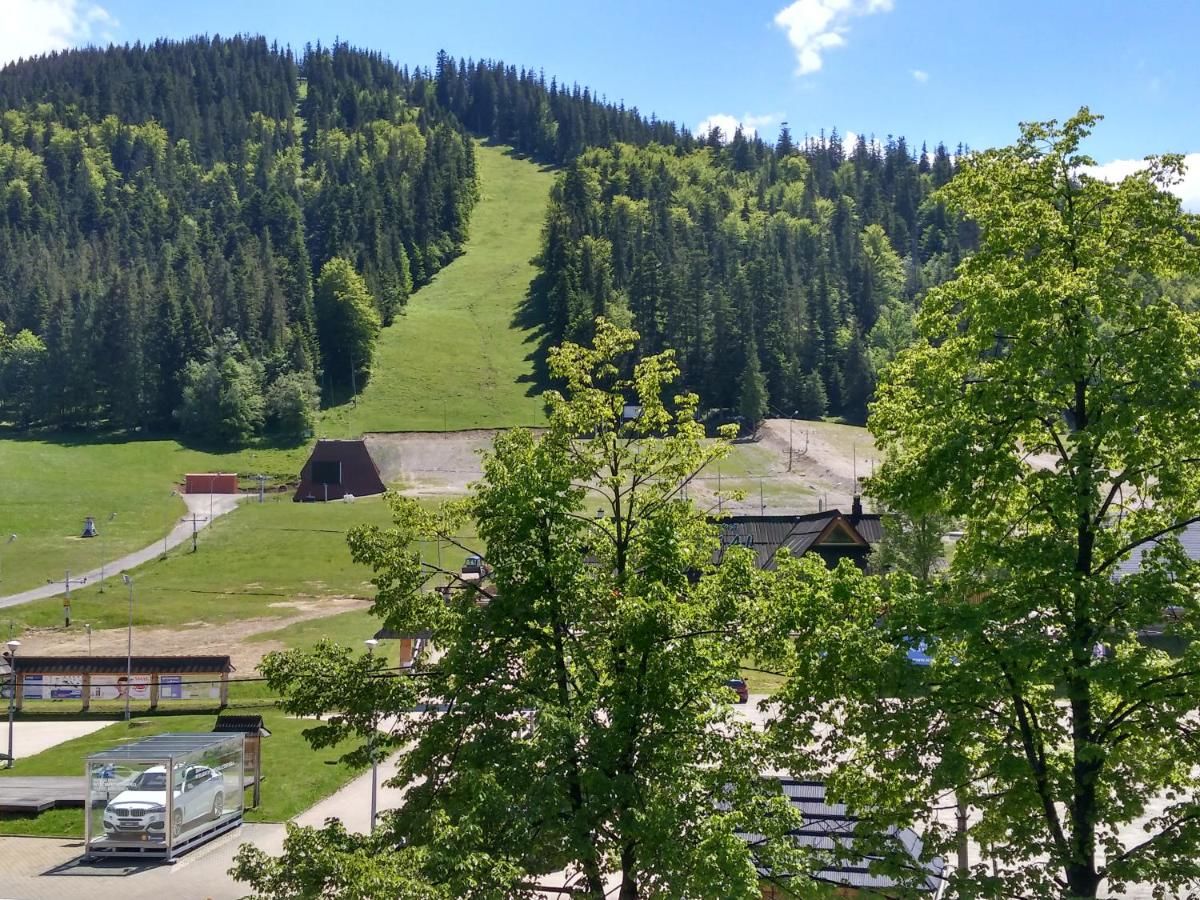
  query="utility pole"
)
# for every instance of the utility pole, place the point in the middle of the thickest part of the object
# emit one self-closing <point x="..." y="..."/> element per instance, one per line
<point x="372" y="643"/>
<point x="67" y="582"/>
<point x="262" y="480"/>
<point x="194" y="519"/>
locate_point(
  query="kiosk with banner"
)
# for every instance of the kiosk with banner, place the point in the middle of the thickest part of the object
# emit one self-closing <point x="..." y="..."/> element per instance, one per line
<point x="162" y="795"/>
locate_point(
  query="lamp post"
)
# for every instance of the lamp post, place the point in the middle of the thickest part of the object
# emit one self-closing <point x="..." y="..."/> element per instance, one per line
<point x="13" y="647"/>
<point x="169" y="528"/>
<point x="88" y="629"/>
<point x="129" y="649"/>
<point x="372" y="643"/>
<point x="104" y="550"/>
<point x="11" y="538"/>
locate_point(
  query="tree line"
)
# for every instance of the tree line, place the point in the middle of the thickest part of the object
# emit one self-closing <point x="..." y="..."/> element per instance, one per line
<point x="173" y="204"/>
<point x="784" y="276"/>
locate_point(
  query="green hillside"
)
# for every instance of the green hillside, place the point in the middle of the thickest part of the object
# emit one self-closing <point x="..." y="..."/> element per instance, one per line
<point x="457" y="357"/>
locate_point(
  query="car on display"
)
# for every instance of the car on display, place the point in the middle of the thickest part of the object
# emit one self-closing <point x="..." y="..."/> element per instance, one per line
<point x="739" y="687"/>
<point x="140" y="810"/>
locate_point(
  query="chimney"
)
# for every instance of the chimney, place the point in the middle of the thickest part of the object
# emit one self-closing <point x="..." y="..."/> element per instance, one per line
<point x="856" y="509"/>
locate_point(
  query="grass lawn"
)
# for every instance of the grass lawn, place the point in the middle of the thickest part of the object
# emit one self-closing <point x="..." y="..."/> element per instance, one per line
<point x="295" y="775"/>
<point x="458" y="358"/>
<point x="250" y="563"/>
<point x="256" y="556"/>
<point x="51" y="485"/>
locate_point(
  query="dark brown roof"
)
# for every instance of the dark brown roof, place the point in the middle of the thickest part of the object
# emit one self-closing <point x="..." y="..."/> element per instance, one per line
<point x="767" y="535"/>
<point x="116" y="665"/>
<point x="241" y="725"/>
<point x="358" y="474"/>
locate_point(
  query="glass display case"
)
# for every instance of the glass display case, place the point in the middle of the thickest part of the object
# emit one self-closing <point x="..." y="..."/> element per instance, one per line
<point x="128" y="812"/>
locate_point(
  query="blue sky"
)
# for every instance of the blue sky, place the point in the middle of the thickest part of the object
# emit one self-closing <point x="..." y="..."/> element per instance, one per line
<point x="964" y="71"/>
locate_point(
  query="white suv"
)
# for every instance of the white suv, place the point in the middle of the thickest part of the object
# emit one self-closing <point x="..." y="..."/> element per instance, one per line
<point x="141" y="809"/>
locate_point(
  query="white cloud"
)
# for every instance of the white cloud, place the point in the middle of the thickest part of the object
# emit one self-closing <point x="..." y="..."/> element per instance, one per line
<point x="32" y="27"/>
<point x="1187" y="190"/>
<point x="749" y="123"/>
<point x="920" y="76"/>
<point x="814" y="26"/>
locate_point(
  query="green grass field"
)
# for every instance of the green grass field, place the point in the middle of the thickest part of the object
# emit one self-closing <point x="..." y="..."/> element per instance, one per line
<point x="295" y="775"/>
<point x="249" y="564"/>
<point x="53" y="484"/>
<point x="457" y="358"/>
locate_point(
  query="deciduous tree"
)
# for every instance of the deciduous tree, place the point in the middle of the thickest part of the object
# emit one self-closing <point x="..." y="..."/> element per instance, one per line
<point x="1048" y="406"/>
<point x="577" y="717"/>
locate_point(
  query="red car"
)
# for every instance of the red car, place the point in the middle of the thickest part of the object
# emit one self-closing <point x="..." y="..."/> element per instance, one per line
<point x="738" y="686"/>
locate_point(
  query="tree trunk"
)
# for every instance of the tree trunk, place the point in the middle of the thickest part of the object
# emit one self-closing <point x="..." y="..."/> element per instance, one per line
<point x="629" y="880"/>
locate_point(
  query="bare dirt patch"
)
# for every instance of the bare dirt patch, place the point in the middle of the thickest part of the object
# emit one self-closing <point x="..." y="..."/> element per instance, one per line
<point x="431" y="462"/>
<point x="826" y="457"/>
<point x="195" y="638"/>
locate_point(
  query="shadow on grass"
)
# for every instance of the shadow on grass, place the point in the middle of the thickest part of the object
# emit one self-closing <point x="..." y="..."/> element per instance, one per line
<point x="530" y="316"/>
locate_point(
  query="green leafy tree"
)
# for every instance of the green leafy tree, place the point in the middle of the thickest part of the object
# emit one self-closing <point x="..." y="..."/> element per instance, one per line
<point x="291" y="405"/>
<point x="22" y="370"/>
<point x="578" y="719"/>
<point x="912" y="543"/>
<point x="347" y="323"/>
<point x="222" y="396"/>
<point x="1049" y="407"/>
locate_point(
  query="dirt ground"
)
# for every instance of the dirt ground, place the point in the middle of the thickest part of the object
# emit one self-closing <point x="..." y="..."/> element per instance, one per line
<point x="826" y="459"/>
<point x="193" y="638"/>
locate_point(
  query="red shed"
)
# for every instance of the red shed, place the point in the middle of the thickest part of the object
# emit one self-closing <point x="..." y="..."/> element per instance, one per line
<point x="211" y="483"/>
<point x="338" y="468"/>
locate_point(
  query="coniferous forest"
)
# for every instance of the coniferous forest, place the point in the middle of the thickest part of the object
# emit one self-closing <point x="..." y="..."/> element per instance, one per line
<point x="168" y="211"/>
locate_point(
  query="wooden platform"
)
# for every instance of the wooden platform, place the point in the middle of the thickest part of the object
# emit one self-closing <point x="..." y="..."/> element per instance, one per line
<point x="37" y="793"/>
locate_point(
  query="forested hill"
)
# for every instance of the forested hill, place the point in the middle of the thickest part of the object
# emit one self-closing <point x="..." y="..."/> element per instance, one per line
<point x="172" y="204"/>
<point x="174" y="218"/>
<point x="783" y="276"/>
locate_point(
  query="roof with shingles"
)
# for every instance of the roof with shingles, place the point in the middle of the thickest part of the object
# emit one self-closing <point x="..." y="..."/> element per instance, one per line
<point x="117" y="665"/>
<point x="1189" y="540"/>
<point x="828" y="825"/>
<point x="767" y="535"/>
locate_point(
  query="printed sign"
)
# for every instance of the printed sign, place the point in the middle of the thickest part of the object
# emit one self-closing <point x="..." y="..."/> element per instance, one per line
<point x="188" y="687"/>
<point x="116" y="687"/>
<point x="53" y="687"/>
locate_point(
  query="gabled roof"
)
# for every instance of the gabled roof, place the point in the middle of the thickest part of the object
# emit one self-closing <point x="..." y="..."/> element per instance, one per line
<point x="828" y="826"/>
<point x="766" y="535"/>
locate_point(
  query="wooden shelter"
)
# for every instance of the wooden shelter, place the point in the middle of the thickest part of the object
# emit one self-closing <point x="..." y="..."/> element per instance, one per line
<point x="337" y="468"/>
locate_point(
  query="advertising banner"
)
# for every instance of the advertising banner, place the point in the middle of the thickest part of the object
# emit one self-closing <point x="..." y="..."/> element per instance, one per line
<point x="115" y="687"/>
<point x="188" y="687"/>
<point x="53" y="687"/>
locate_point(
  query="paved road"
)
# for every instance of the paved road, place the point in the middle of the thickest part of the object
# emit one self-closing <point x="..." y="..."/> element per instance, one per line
<point x="197" y="504"/>
<point x="30" y="737"/>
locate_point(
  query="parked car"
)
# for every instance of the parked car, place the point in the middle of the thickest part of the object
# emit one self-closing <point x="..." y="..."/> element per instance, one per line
<point x="739" y="687"/>
<point x="141" y="811"/>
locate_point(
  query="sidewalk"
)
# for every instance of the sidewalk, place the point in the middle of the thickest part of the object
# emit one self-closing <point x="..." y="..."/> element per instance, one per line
<point x="198" y="505"/>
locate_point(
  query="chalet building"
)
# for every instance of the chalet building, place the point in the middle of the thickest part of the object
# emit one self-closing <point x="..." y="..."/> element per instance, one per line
<point x="831" y="534"/>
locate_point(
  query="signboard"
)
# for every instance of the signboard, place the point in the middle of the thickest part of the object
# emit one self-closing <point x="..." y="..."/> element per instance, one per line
<point x="53" y="687"/>
<point x="188" y="687"/>
<point x="116" y="687"/>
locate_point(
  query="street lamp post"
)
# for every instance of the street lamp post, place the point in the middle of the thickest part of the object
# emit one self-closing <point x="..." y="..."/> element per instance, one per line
<point x="129" y="649"/>
<point x="11" y="538"/>
<point x="372" y="643"/>
<point x="104" y="550"/>
<point x="13" y="647"/>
